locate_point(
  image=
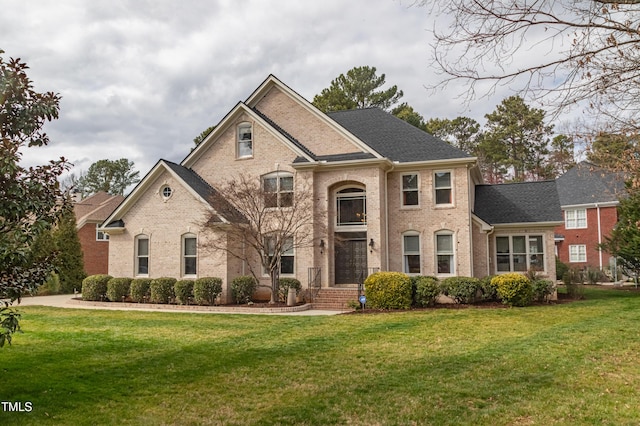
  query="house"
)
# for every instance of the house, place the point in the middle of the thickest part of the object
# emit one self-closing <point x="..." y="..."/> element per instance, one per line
<point x="391" y="197"/>
<point x="589" y="198"/>
<point x="90" y="213"/>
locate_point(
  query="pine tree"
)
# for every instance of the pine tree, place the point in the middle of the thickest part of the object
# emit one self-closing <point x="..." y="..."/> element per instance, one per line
<point x="69" y="263"/>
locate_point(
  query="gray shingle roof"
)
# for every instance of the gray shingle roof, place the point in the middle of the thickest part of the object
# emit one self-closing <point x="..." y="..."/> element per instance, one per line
<point x="207" y="192"/>
<point x="394" y="138"/>
<point x="587" y="183"/>
<point x="524" y="202"/>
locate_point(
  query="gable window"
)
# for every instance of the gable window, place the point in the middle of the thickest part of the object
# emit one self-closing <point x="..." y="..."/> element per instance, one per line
<point x="101" y="236"/>
<point x="444" y="253"/>
<point x="287" y="258"/>
<point x="351" y="207"/>
<point x="142" y="255"/>
<point x="278" y="189"/>
<point x="443" y="188"/>
<point x="575" y="219"/>
<point x="411" y="253"/>
<point x="578" y="253"/>
<point x="519" y="253"/>
<point x="245" y="140"/>
<point x="410" y="190"/>
<point x="189" y="254"/>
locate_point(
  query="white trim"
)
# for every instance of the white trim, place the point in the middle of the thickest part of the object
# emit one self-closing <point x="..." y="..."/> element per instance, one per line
<point x="418" y="253"/>
<point x="136" y="255"/>
<point x="452" y="234"/>
<point x="580" y="250"/>
<point x="450" y="187"/>
<point x="404" y="206"/>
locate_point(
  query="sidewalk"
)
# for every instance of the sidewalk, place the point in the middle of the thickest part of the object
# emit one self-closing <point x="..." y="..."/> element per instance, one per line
<point x="68" y="301"/>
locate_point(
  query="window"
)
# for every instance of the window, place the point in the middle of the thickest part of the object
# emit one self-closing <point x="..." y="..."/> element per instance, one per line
<point x="245" y="140"/>
<point x="410" y="190"/>
<point x="166" y="192"/>
<point x="575" y="219"/>
<point x="286" y="257"/>
<point x="189" y="254"/>
<point x="101" y="236"/>
<point x="142" y="255"/>
<point x="519" y="253"/>
<point x="444" y="253"/>
<point x="442" y="184"/>
<point x="351" y="206"/>
<point x="411" y="253"/>
<point x="578" y="253"/>
<point x="278" y="190"/>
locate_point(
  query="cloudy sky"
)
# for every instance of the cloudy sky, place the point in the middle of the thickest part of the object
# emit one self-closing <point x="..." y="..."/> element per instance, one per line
<point x="141" y="78"/>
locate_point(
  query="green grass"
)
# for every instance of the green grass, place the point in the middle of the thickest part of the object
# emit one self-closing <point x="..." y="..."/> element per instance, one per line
<point x="561" y="364"/>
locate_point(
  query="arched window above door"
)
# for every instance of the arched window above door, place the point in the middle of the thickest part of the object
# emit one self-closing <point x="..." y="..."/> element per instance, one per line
<point x="351" y="207"/>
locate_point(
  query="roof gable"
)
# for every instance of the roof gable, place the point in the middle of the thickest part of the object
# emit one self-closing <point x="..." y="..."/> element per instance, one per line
<point x="95" y="208"/>
<point x="518" y="203"/>
<point x="587" y="183"/>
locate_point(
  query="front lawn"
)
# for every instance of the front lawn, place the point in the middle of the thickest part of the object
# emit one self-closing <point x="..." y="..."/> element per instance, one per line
<point x="571" y="363"/>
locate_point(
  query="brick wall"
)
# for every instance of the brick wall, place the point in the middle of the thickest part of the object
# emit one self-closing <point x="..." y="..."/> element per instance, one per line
<point x="95" y="254"/>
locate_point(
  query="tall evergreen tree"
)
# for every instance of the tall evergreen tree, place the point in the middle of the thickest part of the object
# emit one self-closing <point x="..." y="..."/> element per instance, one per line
<point x="69" y="263"/>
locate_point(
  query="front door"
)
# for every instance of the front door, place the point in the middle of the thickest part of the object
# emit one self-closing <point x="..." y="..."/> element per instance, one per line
<point x="351" y="261"/>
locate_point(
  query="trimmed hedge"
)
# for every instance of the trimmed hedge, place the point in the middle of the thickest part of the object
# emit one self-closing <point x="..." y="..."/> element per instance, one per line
<point x="488" y="290"/>
<point x="425" y="290"/>
<point x="139" y="289"/>
<point x="206" y="290"/>
<point x="161" y="290"/>
<point x="118" y="288"/>
<point x="283" y="287"/>
<point x="94" y="287"/>
<point x="388" y="290"/>
<point x="463" y="290"/>
<point x="242" y="288"/>
<point x="183" y="289"/>
<point x="514" y="289"/>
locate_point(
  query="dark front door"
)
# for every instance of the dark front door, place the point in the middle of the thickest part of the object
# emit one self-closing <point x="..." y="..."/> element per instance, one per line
<point x="351" y="261"/>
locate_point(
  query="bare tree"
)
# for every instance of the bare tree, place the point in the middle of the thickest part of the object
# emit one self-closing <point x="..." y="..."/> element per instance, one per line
<point x="562" y="53"/>
<point x="267" y="219"/>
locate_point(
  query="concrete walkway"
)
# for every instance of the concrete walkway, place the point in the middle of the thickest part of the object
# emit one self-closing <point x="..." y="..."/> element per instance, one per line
<point x="68" y="301"/>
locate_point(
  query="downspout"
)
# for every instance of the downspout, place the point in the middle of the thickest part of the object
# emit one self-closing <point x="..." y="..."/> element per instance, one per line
<point x="470" y="196"/>
<point x="386" y="214"/>
<point x="488" y="252"/>
<point x="599" y="236"/>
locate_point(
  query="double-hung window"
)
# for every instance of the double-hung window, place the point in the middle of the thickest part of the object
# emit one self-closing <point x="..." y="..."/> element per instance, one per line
<point x="519" y="253"/>
<point x="411" y="253"/>
<point x="578" y="253"/>
<point x="410" y="190"/>
<point x="278" y="189"/>
<point x="287" y="257"/>
<point x="101" y="236"/>
<point x="142" y="255"/>
<point x="443" y="188"/>
<point x="444" y="253"/>
<point x="575" y="219"/>
<point x="189" y="254"/>
<point x="245" y="140"/>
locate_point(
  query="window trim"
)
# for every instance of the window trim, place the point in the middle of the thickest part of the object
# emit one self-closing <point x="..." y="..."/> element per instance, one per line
<point x="451" y="254"/>
<point x="573" y="222"/>
<point x="184" y="256"/>
<point x="436" y="188"/>
<point x="105" y="236"/>
<point x="528" y="254"/>
<point x="405" y="253"/>
<point x="137" y="255"/>
<point x="293" y="255"/>
<point x="357" y="192"/>
<point x="578" y="253"/>
<point x="239" y="142"/>
<point x="404" y="190"/>
<point x="279" y="191"/>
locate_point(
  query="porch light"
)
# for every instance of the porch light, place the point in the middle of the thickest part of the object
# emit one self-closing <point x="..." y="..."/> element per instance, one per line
<point x="371" y="244"/>
<point x="321" y="246"/>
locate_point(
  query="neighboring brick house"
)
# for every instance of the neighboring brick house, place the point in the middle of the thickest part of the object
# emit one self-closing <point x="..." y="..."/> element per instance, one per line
<point x="589" y="198"/>
<point x="90" y="213"/>
<point x="395" y="197"/>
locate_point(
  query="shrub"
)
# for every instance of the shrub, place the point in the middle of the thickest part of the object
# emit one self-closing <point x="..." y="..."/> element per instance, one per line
<point x="242" y="288"/>
<point x="593" y="275"/>
<point x="542" y="289"/>
<point x="283" y="287"/>
<point x="118" y="288"/>
<point x="183" y="289"/>
<point x="388" y="290"/>
<point x="206" y="290"/>
<point x="561" y="269"/>
<point x="461" y="289"/>
<point x="425" y="290"/>
<point x="94" y="287"/>
<point x="50" y="286"/>
<point x="573" y="280"/>
<point x="514" y="289"/>
<point x="161" y="290"/>
<point x="139" y="289"/>
<point x="489" y="292"/>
